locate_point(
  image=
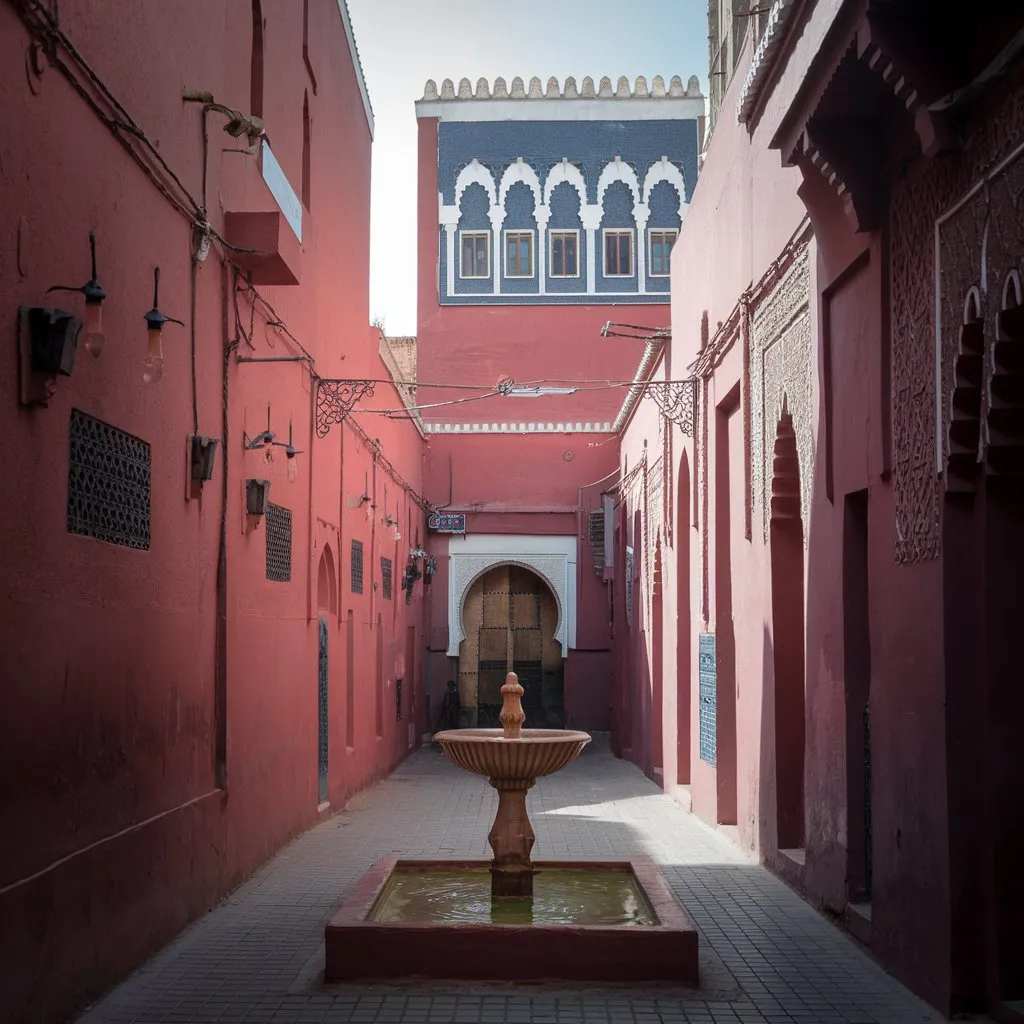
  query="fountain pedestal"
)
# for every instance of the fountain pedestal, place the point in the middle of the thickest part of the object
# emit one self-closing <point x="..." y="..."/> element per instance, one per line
<point x="511" y="838"/>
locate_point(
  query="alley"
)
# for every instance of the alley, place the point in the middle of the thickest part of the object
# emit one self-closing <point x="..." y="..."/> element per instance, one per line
<point x="766" y="955"/>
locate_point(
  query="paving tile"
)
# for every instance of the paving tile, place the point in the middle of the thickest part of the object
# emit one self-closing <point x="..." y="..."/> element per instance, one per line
<point x="767" y="956"/>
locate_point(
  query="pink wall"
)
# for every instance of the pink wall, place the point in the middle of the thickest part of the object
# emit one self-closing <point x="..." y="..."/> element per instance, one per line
<point x="142" y="796"/>
<point x="745" y="196"/>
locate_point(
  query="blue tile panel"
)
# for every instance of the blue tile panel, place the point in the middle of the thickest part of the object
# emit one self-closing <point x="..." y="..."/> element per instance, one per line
<point x="708" y="692"/>
<point x="590" y="147"/>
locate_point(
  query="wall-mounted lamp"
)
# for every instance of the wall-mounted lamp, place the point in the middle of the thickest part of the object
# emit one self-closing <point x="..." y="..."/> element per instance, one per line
<point x="47" y="339"/>
<point x="417" y="553"/>
<point x="203" y="456"/>
<point x="153" y="368"/>
<point x="263" y="439"/>
<point x="94" y="296"/>
<point x="290" y="451"/>
<point x="429" y="570"/>
<point x="257" y="496"/>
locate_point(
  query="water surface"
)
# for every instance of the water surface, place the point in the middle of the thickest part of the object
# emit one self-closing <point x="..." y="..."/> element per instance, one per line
<point x="599" y="896"/>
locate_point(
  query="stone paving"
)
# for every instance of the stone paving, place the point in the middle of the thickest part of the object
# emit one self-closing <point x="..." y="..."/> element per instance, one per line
<point x="766" y="955"/>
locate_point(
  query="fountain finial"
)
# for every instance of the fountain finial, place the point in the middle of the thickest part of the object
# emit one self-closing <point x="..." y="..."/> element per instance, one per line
<point x="512" y="715"/>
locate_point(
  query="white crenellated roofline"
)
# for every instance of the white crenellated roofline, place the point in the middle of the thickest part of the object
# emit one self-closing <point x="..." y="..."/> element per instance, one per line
<point x="568" y="101"/>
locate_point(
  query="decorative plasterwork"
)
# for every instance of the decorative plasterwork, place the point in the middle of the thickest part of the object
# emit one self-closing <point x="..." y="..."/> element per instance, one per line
<point x="552" y="558"/>
<point x="782" y="368"/>
<point x="564" y="171"/>
<point x="764" y="58"/>
<point x="520" y="171"/>
<point x="618" y="170"/>
<point x="518" y="428"/>
<point x="473" y="173"/>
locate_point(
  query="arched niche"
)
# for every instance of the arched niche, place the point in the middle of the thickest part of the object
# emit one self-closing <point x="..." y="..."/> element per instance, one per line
<point x="327" y="582"/>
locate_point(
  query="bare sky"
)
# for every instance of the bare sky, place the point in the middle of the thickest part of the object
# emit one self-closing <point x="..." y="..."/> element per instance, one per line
<point x="402" y="43"/>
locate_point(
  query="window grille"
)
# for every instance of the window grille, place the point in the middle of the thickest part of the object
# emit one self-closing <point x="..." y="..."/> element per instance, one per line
<point x="109" y="481"/>
<point x="357" y="567"/>
<point x="385" y="575"/>
<point x="279" y="543"/>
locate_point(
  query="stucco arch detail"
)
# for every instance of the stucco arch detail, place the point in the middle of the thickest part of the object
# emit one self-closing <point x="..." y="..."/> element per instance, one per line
<point x="664" y="170"/>
<point x="618" y="171"/>
<point x="782" y="377"/>
<point x="520" y="171"/>
<point x="569" y="173"/>
<point x="551" y="558"/>
<point x="474" y="173"/>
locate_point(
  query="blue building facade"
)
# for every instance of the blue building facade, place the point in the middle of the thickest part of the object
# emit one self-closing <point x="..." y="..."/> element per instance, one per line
<point x="562" y="199"/>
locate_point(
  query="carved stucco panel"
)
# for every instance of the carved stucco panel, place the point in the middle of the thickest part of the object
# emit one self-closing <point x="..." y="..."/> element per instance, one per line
<point x="918" y="408"/>
<point x="465" y="569"/>
<point x="782" y="366"/>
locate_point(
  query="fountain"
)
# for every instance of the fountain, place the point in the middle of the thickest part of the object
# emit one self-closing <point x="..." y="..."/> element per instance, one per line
<point x="583" y="920"/>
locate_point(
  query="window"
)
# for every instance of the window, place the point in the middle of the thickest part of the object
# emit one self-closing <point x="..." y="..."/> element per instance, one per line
<point x="618" y="253"/>
<point x="357" y="567"/>
<point x="565" y="254"/>
<point x="519" y="254"/>
<point x="109" y="478"/>
<point x="385" y="575"/>
<point x="661" y="246"/>
<point x="256" y="62"/>
<point x="278" y="530"/>
<point x="476" y="253"/>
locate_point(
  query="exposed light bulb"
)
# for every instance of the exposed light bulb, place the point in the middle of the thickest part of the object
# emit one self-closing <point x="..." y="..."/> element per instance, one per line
<point x="153" y="367"/>
<point x="293" y="469"/>
<point x="94" y="336"/>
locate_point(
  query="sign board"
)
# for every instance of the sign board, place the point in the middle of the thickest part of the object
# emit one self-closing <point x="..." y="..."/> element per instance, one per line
<point x="447" y="522"/>
<point x="708" y="689"/>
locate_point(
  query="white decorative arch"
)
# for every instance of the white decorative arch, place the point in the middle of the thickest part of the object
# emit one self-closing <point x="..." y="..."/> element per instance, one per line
<point x="665" y="170"/>
<point x="520" y="171"/>
<point x="551" y="558"/>
<point x="474" y="173"/>
<point x="569" y="173"/>
<point x="618" y="170"/>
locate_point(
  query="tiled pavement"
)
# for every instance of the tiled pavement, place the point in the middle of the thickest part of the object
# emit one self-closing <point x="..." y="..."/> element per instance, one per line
<point x="766" y="955"/>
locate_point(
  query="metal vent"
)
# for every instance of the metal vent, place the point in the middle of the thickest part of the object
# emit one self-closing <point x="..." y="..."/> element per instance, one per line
<point x="385" y="575"/>
<point x="357" y="567"/>
<point x="109" y="475"/>
<point x="597" y="537"/>
<point x="279" y="543"/>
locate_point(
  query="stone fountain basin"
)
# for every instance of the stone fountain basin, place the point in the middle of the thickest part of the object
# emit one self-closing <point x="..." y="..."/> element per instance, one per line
<point x="535" y="753"/>
<point x="359" y="948"/>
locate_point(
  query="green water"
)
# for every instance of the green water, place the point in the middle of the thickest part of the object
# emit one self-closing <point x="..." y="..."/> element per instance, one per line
<point x="560" y="896"/>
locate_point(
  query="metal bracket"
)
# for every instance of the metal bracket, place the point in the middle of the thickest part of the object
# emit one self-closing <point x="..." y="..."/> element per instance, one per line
<point x="335" y="400"/>
<point x="675" y="399"/>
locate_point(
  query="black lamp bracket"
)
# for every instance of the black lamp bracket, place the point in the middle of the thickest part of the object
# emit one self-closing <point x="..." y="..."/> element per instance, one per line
<point x="92" y="290"/>
<point x="335" y="399"/>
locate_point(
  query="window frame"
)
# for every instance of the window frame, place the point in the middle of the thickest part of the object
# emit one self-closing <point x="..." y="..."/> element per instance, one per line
<point x="651" y="232"/>
<point x="475" y="233"/>
<point x="551" y="253"/>
<point x="631" y="234"/>
<point x="526" y="233"/>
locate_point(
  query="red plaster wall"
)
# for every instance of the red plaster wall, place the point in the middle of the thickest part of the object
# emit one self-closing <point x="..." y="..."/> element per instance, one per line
<point x="118" y="824"/>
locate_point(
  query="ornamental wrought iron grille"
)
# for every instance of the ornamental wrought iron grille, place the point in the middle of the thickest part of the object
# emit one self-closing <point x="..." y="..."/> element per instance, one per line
<point x="708" y="693"/>
<point x="385" y="576"/>
<point x="675" y="399"/>
<point x="109" y="479"/>
<point x="357" y="567"/>
<point x="279" y="543"/>
<point x="335" y="400"/>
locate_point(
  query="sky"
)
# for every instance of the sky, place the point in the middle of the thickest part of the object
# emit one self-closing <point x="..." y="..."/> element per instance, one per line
<point x="402" y="43"/>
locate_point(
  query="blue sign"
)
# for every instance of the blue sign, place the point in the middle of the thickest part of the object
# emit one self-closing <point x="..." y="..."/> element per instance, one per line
<point x="447" y="522"/>
<point x="708" y="691"/>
